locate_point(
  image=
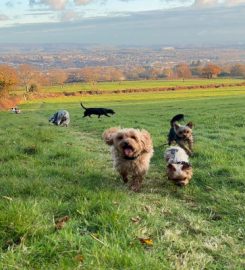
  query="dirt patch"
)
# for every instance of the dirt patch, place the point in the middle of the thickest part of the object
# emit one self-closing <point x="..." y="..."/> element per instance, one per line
<point x="9" y="102"/>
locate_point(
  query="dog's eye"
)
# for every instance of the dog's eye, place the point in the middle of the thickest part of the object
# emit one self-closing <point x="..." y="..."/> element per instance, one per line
<point x="133" y="137"/>
<point x="120" y="137"/>
<point x="181" y="132"/>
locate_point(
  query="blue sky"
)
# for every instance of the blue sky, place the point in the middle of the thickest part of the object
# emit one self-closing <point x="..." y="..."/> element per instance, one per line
<point x="140" y="22"/>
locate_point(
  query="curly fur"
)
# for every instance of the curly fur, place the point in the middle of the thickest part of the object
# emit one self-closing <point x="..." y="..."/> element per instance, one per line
<point x="131" y="150"/>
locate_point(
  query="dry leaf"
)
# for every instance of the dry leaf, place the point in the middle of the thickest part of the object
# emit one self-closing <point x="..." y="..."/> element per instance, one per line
<point x="7" y="198"/>
<point x="79" y="258"/>
<point x="146" y="241"/>
<point x="148" y="208"/>
<point x="136" y="220"/>
<point x="59" y="223"/>
<point x="143" y="231"/>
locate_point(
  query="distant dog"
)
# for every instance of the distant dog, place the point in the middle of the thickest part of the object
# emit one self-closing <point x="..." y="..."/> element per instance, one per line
<point x="131" y="152"/>
<point x="179" y="169"/>
<point x="97" y="111"/>
<point x="60" y="118"/>
<point x="181" y="134"/>
<point x="15" y="110"/>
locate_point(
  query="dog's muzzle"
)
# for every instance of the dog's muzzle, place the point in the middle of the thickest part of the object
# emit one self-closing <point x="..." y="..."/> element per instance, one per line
<point x="128" y="151"/>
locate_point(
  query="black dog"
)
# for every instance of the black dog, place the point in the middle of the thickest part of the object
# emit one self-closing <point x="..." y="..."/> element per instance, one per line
<point x="97" y="111"/>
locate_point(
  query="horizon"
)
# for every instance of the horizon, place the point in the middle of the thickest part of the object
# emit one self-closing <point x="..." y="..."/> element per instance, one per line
<point x="123" y="23"/>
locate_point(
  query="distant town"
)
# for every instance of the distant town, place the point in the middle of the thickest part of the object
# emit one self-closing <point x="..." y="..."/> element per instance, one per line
<point x="66" y="56"/>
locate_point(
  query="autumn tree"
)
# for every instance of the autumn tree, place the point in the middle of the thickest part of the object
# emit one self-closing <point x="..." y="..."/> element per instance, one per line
<point x="90" y="75"/>
<point x="29" y="76"/>
<point x="116" y="74"/>
<point x="182" y="71"/>
<point x="238" y="70"/>
<point x="134" y="73"/>
<point x="8" y="79"/>
<point x="168" y="73"/>
<point x="211" y="70"/>
<point x="57" y="76"/>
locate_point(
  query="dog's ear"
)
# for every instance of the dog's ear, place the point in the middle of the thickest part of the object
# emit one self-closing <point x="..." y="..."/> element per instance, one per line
<point x="145" y="138"/>
<point x="186" y="166"/>
<point x="109" y="134"/>
<point x="190" y="125"/>
<point x="171" y="167"/>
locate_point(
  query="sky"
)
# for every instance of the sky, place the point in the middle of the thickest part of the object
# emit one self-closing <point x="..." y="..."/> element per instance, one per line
<point x="123" y="22"/>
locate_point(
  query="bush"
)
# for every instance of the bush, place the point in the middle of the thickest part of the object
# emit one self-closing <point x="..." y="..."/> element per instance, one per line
<point x="33" y="88"/>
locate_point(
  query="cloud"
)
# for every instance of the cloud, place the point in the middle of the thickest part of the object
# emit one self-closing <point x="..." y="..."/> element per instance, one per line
<point x="214" y="3"/>
<point x="53" y="4"/>
<point x="62" y="4"/>
<point x="69" y="16"/>
<point x="3" y="17"/>
<point x="9" y="4"/>
<point x="176" y="27"/>
<point x="82" y="2"/>
<point x="234" y="2"/>
<point x="205" y="3"/>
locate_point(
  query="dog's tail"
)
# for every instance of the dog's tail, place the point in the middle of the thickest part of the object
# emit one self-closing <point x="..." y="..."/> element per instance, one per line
<point x="176" y="118"/>
<point x="83" y="106"/>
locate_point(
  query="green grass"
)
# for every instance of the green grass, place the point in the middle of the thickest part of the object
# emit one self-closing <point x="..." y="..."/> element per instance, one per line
<point x="142" y="97"/>
<point x="48" y="172"/>
<point x="110" y="86"/>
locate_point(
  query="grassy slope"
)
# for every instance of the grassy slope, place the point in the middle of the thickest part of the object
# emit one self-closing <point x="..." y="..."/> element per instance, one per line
<point x="50" y="172"/>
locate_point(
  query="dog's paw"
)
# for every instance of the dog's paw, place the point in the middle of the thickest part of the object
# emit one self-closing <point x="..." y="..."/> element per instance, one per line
<point x="135" y="187"/>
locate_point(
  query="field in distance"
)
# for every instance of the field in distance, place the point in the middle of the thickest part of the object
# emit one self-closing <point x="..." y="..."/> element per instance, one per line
<point x="144" y="84"/>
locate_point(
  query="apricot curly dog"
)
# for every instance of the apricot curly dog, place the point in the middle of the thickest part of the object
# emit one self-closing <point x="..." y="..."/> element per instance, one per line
<point x="131" y="150"/>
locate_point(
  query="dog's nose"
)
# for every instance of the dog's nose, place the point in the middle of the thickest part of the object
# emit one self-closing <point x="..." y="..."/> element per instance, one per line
<point x="125" y="144"/>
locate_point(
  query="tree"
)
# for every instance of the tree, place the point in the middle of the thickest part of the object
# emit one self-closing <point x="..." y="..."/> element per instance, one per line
<point x="182" y="71"/>
<point x="168" y="73"/>
<point x="28" y="75"/>
<point x="116" y="74"/>
<point x="211" y="70"/>
<point x="91" y="76"/>
<point x="8" y="79"/>
<point x="57" y="76"/>
<point x="238" y="70"/>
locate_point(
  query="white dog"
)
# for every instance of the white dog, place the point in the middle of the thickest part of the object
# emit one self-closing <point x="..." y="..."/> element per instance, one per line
<point x="179" y="168"/>
<point x="15" y="110"/>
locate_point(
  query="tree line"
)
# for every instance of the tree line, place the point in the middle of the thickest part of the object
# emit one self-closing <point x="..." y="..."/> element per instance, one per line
<point x="32" y="79"/>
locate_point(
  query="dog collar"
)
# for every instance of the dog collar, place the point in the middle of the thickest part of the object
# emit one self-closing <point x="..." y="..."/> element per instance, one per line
<point x="131" y="158"/>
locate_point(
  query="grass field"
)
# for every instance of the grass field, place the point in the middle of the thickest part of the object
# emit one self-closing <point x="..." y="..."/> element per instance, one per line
<point x="49" y="172"/>
<point x="110" y="86"/>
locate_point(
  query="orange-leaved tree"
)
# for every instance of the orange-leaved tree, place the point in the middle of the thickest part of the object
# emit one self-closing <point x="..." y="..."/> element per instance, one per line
<point x="8" y="79"/>
<point x="211" y="70"/>
<point x="182" y="71"/>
